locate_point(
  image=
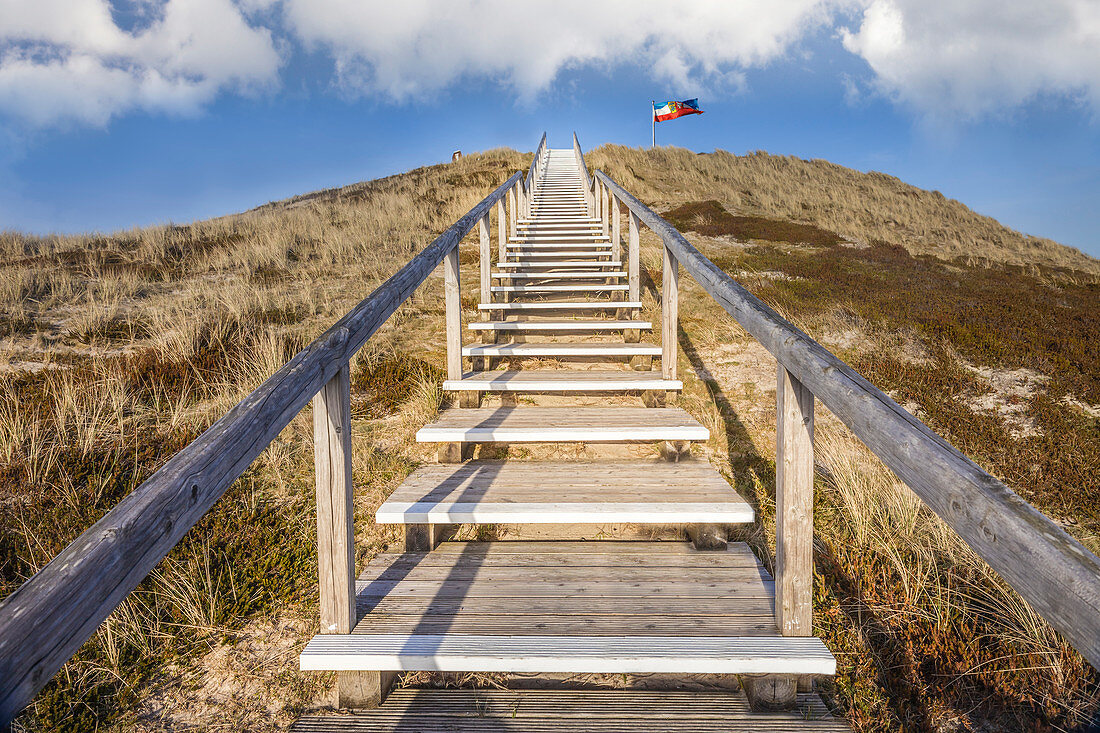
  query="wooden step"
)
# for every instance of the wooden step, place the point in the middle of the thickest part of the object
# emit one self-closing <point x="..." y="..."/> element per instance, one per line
<point x="580" y="609"/>
<point x="564" y="263"/>
<point x="559" y="325"/>
<point x="575" y="287"/>
<point x="565" y="492"/>
<point x="563" y="424"/>
<point x="547" y="254"/>
<point x="561" y="380"/>
<point x="591" y="349"/>
<point x="413" y="710"/>
<point x="563" y="244"/>
<point x="548" y="305"/>
<point x="568" y="275"/>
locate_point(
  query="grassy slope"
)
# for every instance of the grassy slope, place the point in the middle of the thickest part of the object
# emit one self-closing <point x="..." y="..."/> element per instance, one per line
<point x="120" y="349"/>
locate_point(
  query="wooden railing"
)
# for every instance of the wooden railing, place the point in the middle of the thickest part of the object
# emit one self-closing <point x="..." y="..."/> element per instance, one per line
<point x="45" y="621"/>
<point x="1053" y="572"/>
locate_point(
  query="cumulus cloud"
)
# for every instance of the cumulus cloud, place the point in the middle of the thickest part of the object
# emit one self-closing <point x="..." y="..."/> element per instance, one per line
<point x="414" y="47"/>
<point x="90" y="60"/>
<point x="70" y="59"/>
<point x="950" y="59"/>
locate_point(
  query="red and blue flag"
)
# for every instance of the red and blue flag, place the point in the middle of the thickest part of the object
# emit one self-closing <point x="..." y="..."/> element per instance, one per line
<point x="671" y="110"/>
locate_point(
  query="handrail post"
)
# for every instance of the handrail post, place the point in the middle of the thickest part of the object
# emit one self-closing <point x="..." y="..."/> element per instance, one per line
<point x="513" y="202"/>
<point x="605" y="203"/>
<point x="794" y="506"/>
<point x="633" y="275"/>
<point x="335" y="532"/>
<point x="453" y="308"/>
<point x="502" y="230"/>
<point x="485" y="256"/>
<point x="670" y="305"/>
<point x="616" y="229"/>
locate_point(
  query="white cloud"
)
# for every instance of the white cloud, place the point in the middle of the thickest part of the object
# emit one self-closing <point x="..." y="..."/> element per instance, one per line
<point x="69" y="59"/>
<point x="950" y="59"/>
<point x="414" y="47"/>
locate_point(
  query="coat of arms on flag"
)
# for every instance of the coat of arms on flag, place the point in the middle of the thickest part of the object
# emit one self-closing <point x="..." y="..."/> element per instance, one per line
<point x="671" y="110"/>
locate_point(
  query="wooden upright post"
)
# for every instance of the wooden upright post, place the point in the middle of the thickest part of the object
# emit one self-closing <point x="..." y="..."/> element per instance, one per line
<point x="616" y="229"/>
<point x="794" y="506"/>
<point x="336" y="534"/>
<point x="633" y="274"/>
<point x="453" y="308"/>
<point x="513" y="201"/>
<point x="502" y="230"/>
<point x="670" y="303"/>
<point x="486" y="264"/>
<point x="605" y="200"/>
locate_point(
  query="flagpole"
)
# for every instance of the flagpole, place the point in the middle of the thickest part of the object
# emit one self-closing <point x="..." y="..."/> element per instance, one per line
<point x="653" y="122"/>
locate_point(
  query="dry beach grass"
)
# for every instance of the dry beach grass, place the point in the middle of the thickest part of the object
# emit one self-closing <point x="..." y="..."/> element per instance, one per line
<point x="119" y="349"/>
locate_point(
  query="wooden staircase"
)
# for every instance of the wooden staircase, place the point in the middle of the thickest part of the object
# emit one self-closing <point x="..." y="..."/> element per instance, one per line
<point x="561" y="289"/>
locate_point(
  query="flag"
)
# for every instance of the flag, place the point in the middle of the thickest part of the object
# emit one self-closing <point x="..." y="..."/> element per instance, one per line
<point x="671" y="110"/>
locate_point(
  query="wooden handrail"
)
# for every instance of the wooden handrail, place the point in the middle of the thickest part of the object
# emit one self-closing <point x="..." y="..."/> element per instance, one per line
<point x="1052" y="571"/>
<point x="46" y="619"/>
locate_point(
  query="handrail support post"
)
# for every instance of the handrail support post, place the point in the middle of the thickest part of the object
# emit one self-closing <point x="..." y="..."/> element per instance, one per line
<point x="794" y="506"/>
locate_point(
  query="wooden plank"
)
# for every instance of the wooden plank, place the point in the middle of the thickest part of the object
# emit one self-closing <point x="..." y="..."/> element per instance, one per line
<point x="670" y="299"/>
<point x="39" y="630"/>
<point x="549" y="305"/>
<point x="562" y="381"/>
<point x="502" y="227"/>
<point x="558" y="325"/>
<point x="563" y="349"/>
<point x="633" y="259"/>
<point x="1057" y="575"/>
<point x="567" y="275"/>
<point x="412" y="710"/>
<point x="453" y="313"/>
<point x="616" y="227"/>
<point x="550" y="424"/>
<point x="572" y="654"/>
<point x="563" y="288"/>
<point x="335" y="533"/>
<point x="794" y="506"/>
<point x="485" y="252"/>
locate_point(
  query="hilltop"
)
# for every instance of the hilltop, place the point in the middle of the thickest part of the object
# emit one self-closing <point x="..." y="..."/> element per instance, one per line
<point x="118" y="349"/>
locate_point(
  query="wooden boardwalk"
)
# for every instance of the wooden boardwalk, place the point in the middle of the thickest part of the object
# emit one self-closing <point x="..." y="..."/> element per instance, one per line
<point x="562" y="285"/>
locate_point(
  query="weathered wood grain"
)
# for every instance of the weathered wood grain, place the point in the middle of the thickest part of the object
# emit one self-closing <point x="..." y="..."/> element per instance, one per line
<point x="794" y="506"/>
<point x="1053" y="572"/>
<point x="335" y="533"/>
<point x="670" y="307"/>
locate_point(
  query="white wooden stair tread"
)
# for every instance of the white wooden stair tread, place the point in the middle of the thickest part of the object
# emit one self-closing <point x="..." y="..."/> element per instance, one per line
<point x="578" y="275"/>
<point x="562" y="349"/>
<point x="574" y="325"/>
<point x="553" y="424"/>
<point x="561" y="380"/>
<point x="562" y="288"/>
<point x="558" y="492"/>
<point x="560" y="305"/>
<point x="464" y="610"/>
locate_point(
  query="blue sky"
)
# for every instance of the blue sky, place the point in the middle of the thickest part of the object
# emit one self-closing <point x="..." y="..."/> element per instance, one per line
<point x="146" y="111"/>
